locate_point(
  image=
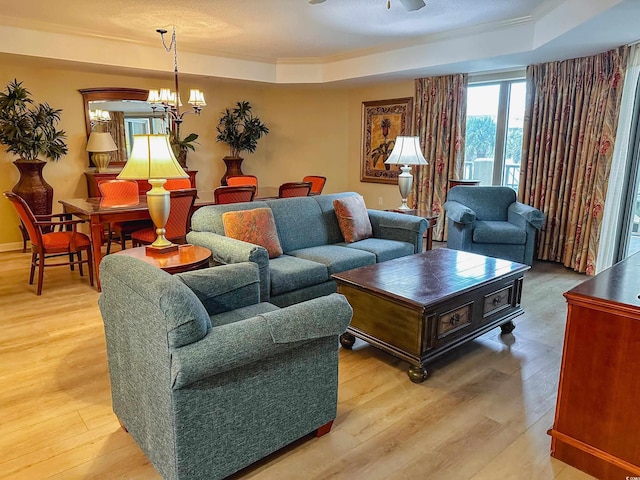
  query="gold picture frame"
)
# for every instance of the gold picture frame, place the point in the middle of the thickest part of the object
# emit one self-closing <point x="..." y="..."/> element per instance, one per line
<point x="382" y="122"/>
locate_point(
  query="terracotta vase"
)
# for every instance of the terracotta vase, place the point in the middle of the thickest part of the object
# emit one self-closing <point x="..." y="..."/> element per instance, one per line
<point x="234" y="167"/>
<point x="32" y="187"/>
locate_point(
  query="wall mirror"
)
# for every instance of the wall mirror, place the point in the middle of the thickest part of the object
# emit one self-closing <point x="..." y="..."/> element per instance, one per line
<point x="129" y="114"/>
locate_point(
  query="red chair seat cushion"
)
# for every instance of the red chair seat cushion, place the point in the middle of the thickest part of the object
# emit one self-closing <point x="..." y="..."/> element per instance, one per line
<point x="60" y="241"/>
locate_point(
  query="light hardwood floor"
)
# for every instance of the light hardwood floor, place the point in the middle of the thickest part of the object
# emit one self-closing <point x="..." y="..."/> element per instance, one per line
<point x="483" y="414"/>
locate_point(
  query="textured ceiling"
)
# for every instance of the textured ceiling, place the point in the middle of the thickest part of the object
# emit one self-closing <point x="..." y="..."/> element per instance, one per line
<point x="291" y="41"/>
<point x="265" y="29"/>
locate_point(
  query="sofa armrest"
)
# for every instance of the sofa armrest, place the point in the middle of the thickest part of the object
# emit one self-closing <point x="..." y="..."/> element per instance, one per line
<point x="226" y="250"/>
<point x="226" y="287"/>
<point x="458" y="212"/>
<point x="520" y="214"/>
<point x="398" y="226"/>
<point x="242" y="343"/>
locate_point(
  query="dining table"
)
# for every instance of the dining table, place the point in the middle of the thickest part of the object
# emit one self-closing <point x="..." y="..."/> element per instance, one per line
<point x="98" y="212"/>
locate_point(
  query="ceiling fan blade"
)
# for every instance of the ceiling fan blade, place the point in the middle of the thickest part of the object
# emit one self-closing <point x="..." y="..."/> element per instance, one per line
<point x="313" y="2"/>
<point x="413" y="5"/>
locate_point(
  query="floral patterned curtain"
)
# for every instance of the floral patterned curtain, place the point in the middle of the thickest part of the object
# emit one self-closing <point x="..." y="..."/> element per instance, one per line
<point x="570" y="124"/>
<point x="441" y="110"/>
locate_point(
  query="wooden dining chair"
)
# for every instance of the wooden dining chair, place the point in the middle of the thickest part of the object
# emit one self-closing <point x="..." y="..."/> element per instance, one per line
<point x="242" y="180"/>
<point x="294" y="189"/>
<point x="121" y="193"/>
<point x="177" y="223"/>
<point x="317" y="183"/>
<point x="177" y="184"/>
<point x="234" y="194"/>
<point x="46" y="243"/>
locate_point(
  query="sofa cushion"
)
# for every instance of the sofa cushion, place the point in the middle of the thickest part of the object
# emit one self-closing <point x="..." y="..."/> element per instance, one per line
<point x="337" y="258"/>
<point x="291" y="273"/>
<point x="353" y="218"/>
<point x="253" y="226"/>
<point x="325" y="202"/>
<point x="241" y="313"/>
<point x="383" y="249"/>
<point x="498" y="232"/>
<point x="299" y="222"/>
<point x="209" y="217"/>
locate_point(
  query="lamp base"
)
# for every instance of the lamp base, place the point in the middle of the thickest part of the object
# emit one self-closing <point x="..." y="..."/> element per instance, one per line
<point x="151" y="250"/>
<point x="405" y="182"/>
<point x="404" y="206"/>
<point x="101" y="161"/>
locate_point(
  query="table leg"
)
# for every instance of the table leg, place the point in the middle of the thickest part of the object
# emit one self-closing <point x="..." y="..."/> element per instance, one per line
<point x="428" y="235"/>
<point x="96" y="245"/>
<point x="418" y="374"/>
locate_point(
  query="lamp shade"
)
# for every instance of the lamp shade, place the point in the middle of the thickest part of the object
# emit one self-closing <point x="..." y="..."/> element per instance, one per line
<point x="101" y="142"/>
<point x="151" y="158"/>
<point x="406" y="151"/>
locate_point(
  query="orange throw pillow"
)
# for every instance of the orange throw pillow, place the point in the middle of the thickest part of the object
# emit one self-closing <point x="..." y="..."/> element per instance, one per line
<point x="255" y="226"/>
<point x="353" y="218"/>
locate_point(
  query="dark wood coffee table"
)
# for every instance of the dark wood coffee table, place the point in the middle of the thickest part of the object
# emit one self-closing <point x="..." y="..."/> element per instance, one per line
<point x="421" y="306"/>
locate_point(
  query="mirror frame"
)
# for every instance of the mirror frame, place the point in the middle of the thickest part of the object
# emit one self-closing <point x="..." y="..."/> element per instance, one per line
<point x="108" y="93"/>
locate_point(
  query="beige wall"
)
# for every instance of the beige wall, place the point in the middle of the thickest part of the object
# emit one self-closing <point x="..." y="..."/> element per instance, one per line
<point x="314" y="130"/>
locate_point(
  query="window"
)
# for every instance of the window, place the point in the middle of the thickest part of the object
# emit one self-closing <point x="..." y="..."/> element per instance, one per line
<point x="493" y="144"/>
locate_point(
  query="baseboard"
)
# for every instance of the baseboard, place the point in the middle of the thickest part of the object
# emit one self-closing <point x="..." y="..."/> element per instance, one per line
<point x="9" y="247"/>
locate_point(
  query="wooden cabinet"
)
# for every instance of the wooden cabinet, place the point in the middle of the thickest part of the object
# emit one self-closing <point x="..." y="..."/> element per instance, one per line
<point x="143" y="186"/>
<point x="597" y="424"/>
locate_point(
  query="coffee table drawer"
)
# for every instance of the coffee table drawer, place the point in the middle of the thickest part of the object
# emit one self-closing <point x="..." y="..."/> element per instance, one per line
<point x="498" y="300"/>
<point x="454" y="320"/>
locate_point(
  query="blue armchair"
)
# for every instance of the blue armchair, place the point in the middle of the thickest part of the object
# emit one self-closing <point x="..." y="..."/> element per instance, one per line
<point x="205" y="378"/>
<point x="489" y="221"/>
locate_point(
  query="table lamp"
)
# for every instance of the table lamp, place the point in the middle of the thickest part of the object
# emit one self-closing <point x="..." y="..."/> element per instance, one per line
<point x="100" y="144"/>
<point x="406" y="152"/>
<point x="152" y="159"/>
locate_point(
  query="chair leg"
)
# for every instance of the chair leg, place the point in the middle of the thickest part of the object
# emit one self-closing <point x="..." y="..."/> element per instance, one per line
<point x="109" y="238"/>
<point x="79" y="253"/>
<point x="90" y="265"/>
<point x="34" y="258"/>
<point x="40" y="273"/>
<point x="71" y="265"/>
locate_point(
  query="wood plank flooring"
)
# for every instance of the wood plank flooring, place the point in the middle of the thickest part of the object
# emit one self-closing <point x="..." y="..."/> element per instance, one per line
<point x="482" y="415"/>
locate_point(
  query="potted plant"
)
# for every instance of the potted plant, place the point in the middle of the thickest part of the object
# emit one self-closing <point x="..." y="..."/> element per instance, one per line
<point x="28" y="130"/>
<point x="181" y="146"/>
<point x="239" y="129"/>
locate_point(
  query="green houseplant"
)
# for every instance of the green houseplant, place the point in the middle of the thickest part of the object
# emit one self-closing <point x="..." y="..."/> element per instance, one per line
<point x="239" y="129"/>
<point x="181" y="146"/>
<point x="29" y="130"/>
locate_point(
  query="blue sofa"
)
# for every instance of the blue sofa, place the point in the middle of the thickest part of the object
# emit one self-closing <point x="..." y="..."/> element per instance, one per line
<point x="206" y="378"/>
<point x="489" y="221"/>
<point x="313" y="245"/>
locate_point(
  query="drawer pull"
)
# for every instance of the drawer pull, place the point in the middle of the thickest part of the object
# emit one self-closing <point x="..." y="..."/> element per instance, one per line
<point x="455" y="318"/>
<point x="497" y="301"/>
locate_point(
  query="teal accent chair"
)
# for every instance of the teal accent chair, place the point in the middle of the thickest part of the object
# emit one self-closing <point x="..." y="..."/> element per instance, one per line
<point x="489" y="221"/>
<point x="206" y="378"/>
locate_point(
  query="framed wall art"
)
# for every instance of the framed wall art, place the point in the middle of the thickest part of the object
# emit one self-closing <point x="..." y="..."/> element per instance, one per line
<point x="382" y="122"/>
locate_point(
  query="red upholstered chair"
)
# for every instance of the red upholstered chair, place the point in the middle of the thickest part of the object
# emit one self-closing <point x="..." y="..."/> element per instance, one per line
<point x="242" y="180"/>
<point x="120" y="193"/>
<point x="294" y="189"/>
<point x="46" y="243"/>
<point x="234" y="194"/>
<point x="177" y="184"/>
<point x="177" y="223"/>
<point x="317" y="183"/>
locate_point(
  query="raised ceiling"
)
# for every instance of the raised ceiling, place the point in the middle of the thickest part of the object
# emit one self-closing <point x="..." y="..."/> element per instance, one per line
<point x="291" y="41"/>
